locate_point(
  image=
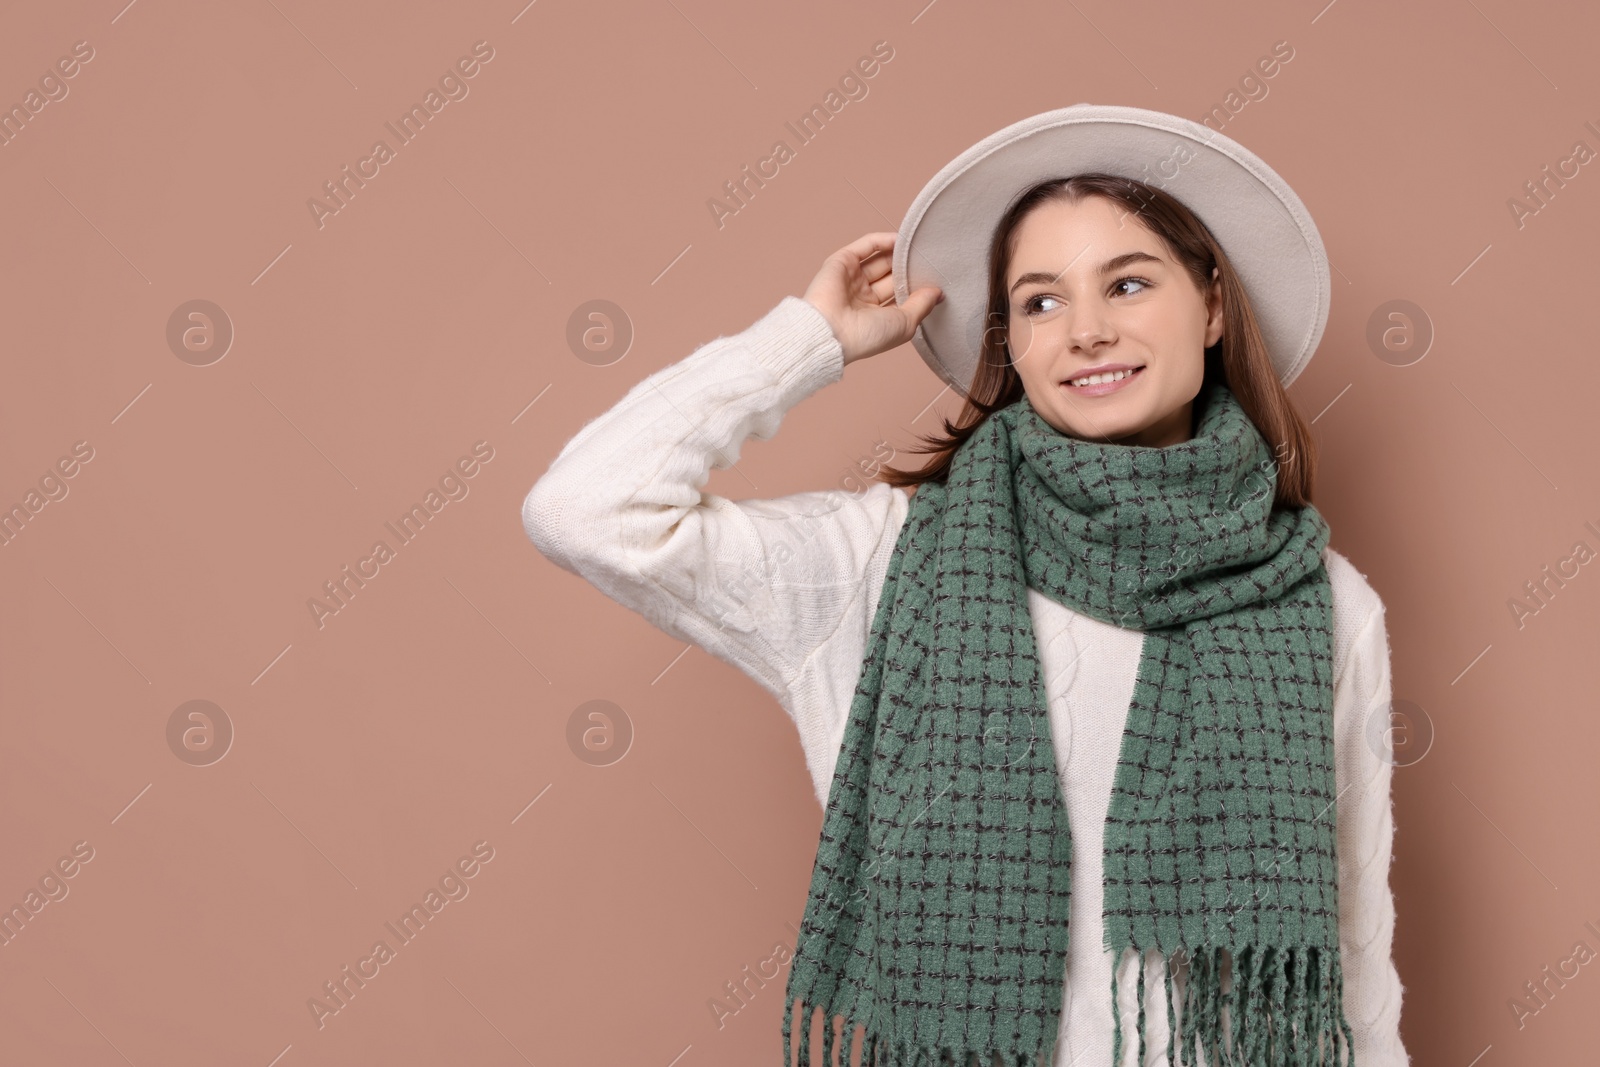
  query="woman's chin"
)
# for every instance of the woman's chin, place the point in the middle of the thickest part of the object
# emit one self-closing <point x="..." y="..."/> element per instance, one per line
<point x="1102" y="429"/>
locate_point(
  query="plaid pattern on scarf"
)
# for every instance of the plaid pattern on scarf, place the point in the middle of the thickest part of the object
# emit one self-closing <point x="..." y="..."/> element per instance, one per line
<point x="937" y="913"/>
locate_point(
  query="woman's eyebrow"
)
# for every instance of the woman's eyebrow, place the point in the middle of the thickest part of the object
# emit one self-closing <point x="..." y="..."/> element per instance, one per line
<point x="1113" y="264"/>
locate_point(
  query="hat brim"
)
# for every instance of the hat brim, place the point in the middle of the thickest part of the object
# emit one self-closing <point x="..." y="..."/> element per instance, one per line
<point x="1261" y="224"/>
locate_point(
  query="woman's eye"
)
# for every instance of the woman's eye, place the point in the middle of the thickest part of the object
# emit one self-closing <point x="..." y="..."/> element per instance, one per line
<point x="1036" y="305"/>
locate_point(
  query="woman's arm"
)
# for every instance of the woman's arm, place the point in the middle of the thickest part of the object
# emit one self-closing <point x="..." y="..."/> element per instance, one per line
<point x="759" y="584"/>
<point x="1372" y="990"/>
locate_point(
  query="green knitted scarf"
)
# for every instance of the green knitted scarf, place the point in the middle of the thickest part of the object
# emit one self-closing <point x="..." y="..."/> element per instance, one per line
<point x="937" y="914"/>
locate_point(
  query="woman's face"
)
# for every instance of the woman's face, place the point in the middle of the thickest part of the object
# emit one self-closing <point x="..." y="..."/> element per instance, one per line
<point x="1090" y="285"/>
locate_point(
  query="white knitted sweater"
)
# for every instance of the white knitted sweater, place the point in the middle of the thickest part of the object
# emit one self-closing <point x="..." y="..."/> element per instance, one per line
<point x="786" y="589"/>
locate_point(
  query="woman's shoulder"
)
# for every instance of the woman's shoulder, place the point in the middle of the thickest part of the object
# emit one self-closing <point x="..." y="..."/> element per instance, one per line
<point x="1353" y="595"/>
<point x="1355" y="605"/>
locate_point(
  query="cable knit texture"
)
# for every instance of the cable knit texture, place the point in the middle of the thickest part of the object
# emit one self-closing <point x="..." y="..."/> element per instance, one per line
<point x="785" y="590"/>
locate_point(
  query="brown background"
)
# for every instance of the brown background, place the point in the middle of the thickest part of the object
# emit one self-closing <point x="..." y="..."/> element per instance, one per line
<point x="431" y="312"/>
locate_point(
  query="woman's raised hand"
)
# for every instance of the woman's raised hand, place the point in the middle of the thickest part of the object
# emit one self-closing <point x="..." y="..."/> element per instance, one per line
<point x="854" y="290"/>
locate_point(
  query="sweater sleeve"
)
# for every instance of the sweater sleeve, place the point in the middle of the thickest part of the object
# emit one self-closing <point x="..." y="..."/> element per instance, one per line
<point x="760" y="584"/>
<point x="1372" y="989"/>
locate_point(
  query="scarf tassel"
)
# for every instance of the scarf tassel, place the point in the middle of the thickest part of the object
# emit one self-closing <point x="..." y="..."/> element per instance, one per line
<point x="1284" y="1006"/>
<point x="868" y="1045"/>
<point x="876" y="1053"/>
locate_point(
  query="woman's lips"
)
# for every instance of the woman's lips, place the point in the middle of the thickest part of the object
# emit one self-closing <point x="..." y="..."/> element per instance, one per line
<point x="1102" y="388"/>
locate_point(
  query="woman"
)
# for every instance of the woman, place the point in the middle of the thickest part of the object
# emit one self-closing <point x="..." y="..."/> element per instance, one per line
<point x="1100" y="674"/>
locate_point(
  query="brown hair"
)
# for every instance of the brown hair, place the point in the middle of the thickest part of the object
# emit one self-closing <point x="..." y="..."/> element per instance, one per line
<point x="1239" y="359"/>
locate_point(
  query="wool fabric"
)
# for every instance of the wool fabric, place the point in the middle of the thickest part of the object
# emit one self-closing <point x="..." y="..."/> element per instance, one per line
<point x="936" y="919"/>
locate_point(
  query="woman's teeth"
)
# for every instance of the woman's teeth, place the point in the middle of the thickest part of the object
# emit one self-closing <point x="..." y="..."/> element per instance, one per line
<point x="1096" y="379"/>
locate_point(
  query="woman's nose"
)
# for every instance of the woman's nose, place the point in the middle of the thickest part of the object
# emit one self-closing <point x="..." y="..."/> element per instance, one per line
<point x="1091" y="326"/>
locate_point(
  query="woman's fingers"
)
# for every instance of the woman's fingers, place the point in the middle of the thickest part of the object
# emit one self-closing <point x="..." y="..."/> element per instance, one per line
<point x="919" y="303"/>
<point x="877" y="267"/>
<point x="882" y="289"/>
<point x="870" y="244"/>
<point x="874" y="259"/>
<point x="855" y="291"/>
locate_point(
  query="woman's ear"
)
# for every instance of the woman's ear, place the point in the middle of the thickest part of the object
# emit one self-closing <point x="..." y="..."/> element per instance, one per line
<point x="1214" y="309"/>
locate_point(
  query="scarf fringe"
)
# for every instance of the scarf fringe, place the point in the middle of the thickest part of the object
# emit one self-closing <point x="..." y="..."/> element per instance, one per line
<point x="1285" y="1006"/>
<point x="878" y="1053"/>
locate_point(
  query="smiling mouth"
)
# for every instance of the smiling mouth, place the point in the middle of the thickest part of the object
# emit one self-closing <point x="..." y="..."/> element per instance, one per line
<point x="1093" y="381"/>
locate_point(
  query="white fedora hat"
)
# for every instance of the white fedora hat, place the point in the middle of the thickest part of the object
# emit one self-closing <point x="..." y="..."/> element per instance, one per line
<point x="1251" y="211"/>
